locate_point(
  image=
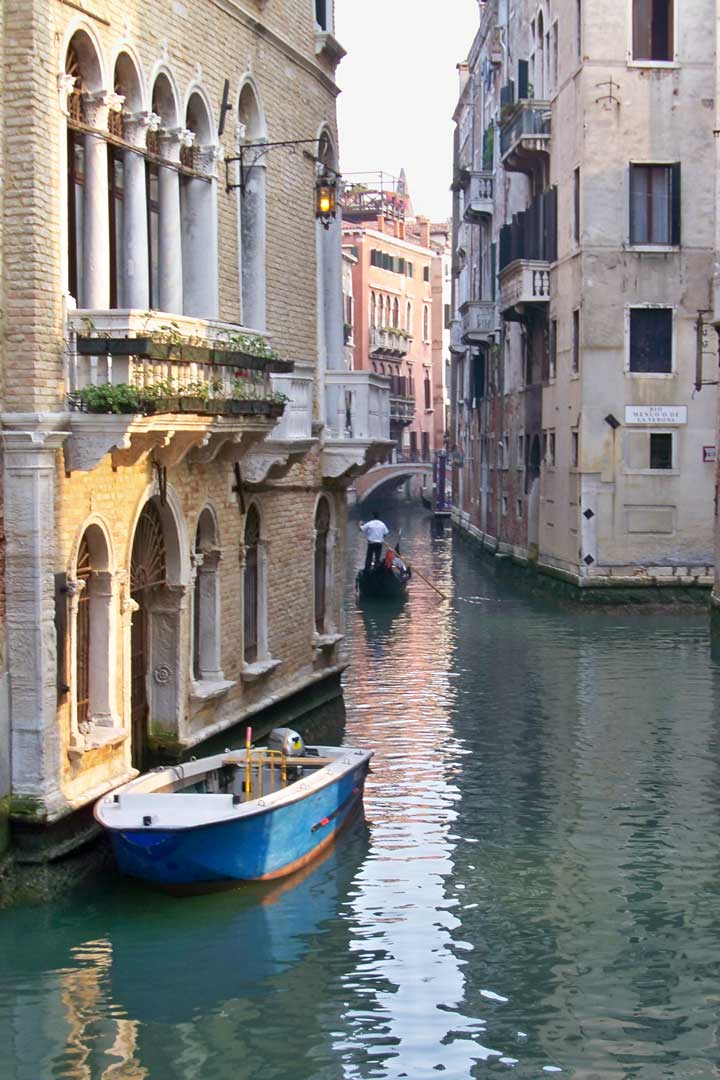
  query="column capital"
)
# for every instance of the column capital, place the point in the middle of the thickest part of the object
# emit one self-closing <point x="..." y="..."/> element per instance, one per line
<point x="172" y="140"/>
<point x="208" y="158"/>
<point x="66" y="85"/>
<point x="97" y="106"/>
<point x="137" y="126"/>
<point x="33" y="433"/>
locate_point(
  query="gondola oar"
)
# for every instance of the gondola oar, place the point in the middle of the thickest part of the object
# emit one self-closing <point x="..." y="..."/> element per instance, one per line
<point x="415" y="571"/>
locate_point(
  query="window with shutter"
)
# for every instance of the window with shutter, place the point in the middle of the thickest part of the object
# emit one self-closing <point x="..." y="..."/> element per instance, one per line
<point x="651" y="341"/>
<point x="653" y="37"/>
<point x="655" y="204"/>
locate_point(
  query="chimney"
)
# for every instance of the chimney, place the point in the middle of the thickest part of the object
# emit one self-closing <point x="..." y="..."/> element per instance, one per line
<point x="423" y="224"/>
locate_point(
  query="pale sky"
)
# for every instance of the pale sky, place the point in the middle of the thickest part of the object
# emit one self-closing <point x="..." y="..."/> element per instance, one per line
<point x="400" y="87"/>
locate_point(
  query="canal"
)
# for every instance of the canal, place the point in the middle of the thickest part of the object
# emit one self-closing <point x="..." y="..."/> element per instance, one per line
<point x="535" y="886"/>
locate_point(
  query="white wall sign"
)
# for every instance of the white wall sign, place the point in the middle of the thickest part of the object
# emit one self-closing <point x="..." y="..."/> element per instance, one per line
<point x="656" y="414"/>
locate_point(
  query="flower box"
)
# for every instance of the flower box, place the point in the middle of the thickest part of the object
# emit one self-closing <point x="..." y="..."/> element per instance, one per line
<point x="146" y="348"/>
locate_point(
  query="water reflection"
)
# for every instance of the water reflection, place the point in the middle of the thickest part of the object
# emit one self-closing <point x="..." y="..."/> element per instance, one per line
<point x="536" y="886"/>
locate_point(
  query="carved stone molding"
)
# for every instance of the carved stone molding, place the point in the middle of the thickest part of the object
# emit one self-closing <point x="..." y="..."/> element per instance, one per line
<point x="92" y="437"/>
<point x="257" y="465"/>
<point x="179" y="446"/>
<point x="347" y="458"/>
<point x="141" y="444"/>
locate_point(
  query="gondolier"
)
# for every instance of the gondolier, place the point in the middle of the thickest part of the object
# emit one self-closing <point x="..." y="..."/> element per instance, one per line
<point x="375" y="530"/>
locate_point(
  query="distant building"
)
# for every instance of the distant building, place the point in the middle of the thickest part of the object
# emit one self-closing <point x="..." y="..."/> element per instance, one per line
<point x="583" y="246"/>
<point x="397" y="285"/>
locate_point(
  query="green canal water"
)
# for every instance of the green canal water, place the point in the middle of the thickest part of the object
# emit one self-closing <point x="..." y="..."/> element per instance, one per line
<point x="535" y="886"/>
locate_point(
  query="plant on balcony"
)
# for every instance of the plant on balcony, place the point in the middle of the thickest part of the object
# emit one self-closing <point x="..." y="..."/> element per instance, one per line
<point x="170" y="340"/>
<point x="209" y="396"/>
<point x="116" y="398"/>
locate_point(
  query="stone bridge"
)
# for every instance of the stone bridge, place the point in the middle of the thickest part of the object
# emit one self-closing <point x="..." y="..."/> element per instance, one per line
<point x="392" y="473"/>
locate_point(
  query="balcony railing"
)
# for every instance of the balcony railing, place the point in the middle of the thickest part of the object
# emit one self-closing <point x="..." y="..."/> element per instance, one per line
<point x="525" y="135"/>
<point x="402" y="399"/>
<point x="479" y="197"/>
<point x="478" y="320"/>
<point x="524" y="282"/>
<point x="296" y="422"/>
<point x="357" y="406"/>
<point x="143" y="349"/>
<point x="389" y="341"/>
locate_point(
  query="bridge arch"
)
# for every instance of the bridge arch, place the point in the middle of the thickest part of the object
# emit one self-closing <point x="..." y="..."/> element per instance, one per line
<point x="368" y="484"/>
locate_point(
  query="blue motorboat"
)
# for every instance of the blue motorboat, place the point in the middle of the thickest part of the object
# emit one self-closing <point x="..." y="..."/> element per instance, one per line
<point x="249" y="815"/>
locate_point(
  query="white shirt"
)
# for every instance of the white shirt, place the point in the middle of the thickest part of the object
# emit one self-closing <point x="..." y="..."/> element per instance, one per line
<point x="375" y="530"/>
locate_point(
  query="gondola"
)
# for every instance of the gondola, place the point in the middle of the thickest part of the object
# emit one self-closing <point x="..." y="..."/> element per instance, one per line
<point x="383" y="582"/>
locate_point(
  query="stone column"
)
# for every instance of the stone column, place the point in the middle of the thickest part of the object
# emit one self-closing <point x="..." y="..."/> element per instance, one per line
<point x="30" y="444"/>
<point x="200" y="237"/>
<point x="252" y="246"/>
<point x="170" y="230"/>
<point x="135" y="292"/>
<point x="166" y="661"/>
<point x="334" y="306"/>
<point x="208" y="596"/>
<point x="95" y="291"/>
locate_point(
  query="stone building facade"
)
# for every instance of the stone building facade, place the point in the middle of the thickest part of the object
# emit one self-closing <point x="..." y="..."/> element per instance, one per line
<point x="174" y="567"/>
<point x="584" y="404"/>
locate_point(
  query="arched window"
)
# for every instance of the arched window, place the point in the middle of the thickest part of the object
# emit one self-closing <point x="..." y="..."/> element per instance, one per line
<point x="539" y="88"/>
<point x="251" y="214"/>
<point x="206" y="602"/>
<point x="426" y="324"/>
<point x="396" y="313"/>
<point x="87" y="176"/>
<point x="91" y="614"/>
<point x="322" y="530"/>
<point x="127" y="192"/>
<point x="198" y="212"/>
<point x="373" y="312"/>
<point x="251" y="588"/>
<point x="163" y="195"/>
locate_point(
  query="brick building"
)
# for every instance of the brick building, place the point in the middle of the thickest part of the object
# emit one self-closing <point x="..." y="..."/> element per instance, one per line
<point x="399" y="290"/>
<point x="176" y="566"/>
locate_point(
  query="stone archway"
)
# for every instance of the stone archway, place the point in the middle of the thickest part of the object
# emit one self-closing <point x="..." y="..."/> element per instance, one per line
<point x="159" y="599"/>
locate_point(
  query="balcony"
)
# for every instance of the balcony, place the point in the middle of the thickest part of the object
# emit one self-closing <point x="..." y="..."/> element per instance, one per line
<point x="402" y="400"/>
<point x="457" y="345"/>
<point x="389" y="342"/>
<point x="478" y="321"/>
<point x="292" y="437"/>
<point x="141" y="383"/>
<point x="479" y="197"/>
<point x="528" y="247"/>
<point x="357" y="431"/>
<point x="523" y="282"/>
<point x="525" y="137"/>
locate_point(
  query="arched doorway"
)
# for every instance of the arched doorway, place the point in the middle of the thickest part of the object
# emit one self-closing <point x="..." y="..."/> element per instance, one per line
<point x="148" y="572"/>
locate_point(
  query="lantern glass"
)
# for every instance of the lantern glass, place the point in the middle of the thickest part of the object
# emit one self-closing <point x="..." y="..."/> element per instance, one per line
<point x="325" y="203"/>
